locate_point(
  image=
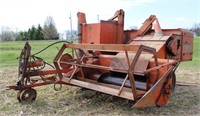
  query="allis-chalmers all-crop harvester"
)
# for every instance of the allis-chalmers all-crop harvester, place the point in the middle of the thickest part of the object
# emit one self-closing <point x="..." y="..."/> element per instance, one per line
<point x="137" y="65"/>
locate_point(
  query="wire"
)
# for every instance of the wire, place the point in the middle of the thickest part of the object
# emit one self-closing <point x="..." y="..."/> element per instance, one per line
<point x="50" y="46"/>
<point x="34" y="55"/>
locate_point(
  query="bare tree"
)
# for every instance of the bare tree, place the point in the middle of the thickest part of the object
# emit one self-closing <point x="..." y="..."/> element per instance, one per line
<point x="49" y="30"/>
<point x="196" y="29"/>
<point x="7" y="36"/>
<point x="71" y="34"/>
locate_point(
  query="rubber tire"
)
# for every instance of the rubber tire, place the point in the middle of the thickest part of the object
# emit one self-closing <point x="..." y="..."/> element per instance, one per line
<point x="173" y="76"/>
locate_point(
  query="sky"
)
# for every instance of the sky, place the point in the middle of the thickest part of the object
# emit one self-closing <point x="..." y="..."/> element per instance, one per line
<point x="22" y="14"/>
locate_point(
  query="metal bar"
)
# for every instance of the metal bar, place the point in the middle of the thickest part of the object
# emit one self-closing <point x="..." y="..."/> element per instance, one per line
<point x="82" y="74"/>
<point x="59" y="53"/>
<point x="131" y="69"/>
<point x="158" y="67"/>
<point x="105" y="47"/>
<point x="96" y="66"/>
<point x="45" y="72"/>
<point x="152" y="51"/>
<point x="56" y="63"/>
<point x="80" y="60"/>
<point x="32" y="85"/>
<point x="72" y="74"/>
<point x="150" y="40"/>
<point x="146" y="25"/>
<point x="120" y="90"/>
<point x="100" y="88"/>
<point x="178" y="62"/>
<point x="132" y="81"/>
<point x="102" y="67"/>
<point x="132" y="66"/>
<point x="127" y="59"/>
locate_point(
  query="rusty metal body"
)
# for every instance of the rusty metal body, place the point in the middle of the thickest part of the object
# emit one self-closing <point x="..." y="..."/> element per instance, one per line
<point x="137" y="65"/>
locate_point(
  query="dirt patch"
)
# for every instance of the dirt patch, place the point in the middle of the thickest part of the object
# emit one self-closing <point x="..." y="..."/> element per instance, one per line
<point x="76" y="101"/>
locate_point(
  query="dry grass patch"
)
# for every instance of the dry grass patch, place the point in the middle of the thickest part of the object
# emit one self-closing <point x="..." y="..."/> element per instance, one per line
<point x="76" y="101"/>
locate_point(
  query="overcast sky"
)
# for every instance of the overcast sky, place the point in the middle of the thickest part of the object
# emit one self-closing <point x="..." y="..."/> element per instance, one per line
<point x="22" y="14"/>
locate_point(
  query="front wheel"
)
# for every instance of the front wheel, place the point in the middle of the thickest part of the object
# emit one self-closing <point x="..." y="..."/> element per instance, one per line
<point x="27" y="95"/>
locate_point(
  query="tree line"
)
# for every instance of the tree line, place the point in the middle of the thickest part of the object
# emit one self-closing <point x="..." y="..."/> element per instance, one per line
<point x="47" y="32"/>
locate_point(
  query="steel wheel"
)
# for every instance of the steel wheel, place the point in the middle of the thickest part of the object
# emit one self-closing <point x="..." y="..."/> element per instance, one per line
<point x="27" y="95"/>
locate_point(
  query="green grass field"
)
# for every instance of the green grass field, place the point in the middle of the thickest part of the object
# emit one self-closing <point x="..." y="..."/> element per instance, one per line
<point x="9" y="51"/>
<point x="76" y="101"/>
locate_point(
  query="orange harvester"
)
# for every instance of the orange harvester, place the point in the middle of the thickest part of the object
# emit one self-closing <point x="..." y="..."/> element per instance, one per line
<point x="136" y="65"/>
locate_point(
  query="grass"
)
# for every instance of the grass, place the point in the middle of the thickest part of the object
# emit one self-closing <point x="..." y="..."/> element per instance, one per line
<point x="76" y="101"/>
<point x="9" y="51"/>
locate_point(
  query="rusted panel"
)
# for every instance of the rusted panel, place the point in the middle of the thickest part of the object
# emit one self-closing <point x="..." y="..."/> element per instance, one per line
<point x="104" y="32"/>
<point x="119" y="14"/>
<point x="91" y="33"/>
<point x="108" y="32"/>
<point x="150" y="98"/>
<point x="105" y="60"/>
<point x="162" y="52"/>
<point x="120" y="61"/>
<point x="146" y="101"/>
<point x="154" y="44"/>
<point x="187" y="46"/>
